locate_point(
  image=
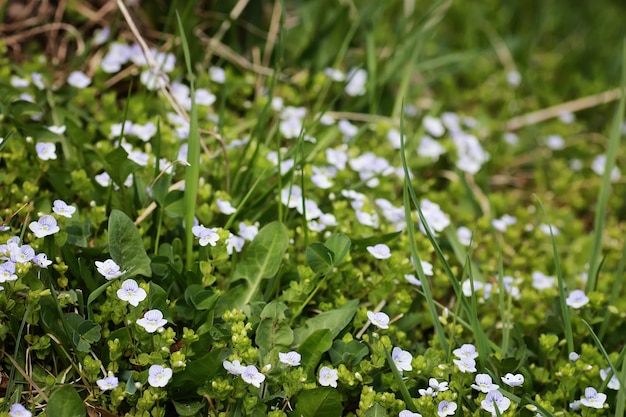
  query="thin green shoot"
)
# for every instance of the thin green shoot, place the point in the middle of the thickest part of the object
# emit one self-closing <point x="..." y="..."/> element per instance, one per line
<point x="605" y="187"/>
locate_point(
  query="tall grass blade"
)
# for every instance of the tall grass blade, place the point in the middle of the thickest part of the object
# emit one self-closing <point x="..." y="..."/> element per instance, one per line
<point x="567" y="324"/>
<point x="192" y="173"/>
<point x="605" y="187"/>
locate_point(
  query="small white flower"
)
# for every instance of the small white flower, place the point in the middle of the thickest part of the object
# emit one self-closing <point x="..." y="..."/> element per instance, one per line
<point x="437" y="386"/>
<point x="412" y="279"/>
<point x="234" y="243"/>
<point x="380" y="319"/>
<point x="78" y="79"/>
<point x="18" y="410"/>
<point x="493" y="400"/>
<point x="234" y="367"/>
<point x="61" y="208"/>
<point x="110" y="382"/>
<point x="446" y="408"/>
<point x="100" y="36"/>
<point x="131" y="292"/>
<point x="207" y="236"/>
<point x="402" y="359"/>
<point x="613" y="382"/>
<point x="252" y="376"/>
<point x="593" y="398"/>
<point x="290" y="358"/>
<point x="484" y="383"/>
<point x="555" y="142"/>
<point x="542" y="281"/>
<point x="433" y="126"/>
<point x="224" y="206"/>
<point x="59" y="130"/>
<point x="152" y="320"/>
<point x="408" y="413"/>
<point x="573" y="356"/>
<point x="7" y="272"/>
<point x="45" y="226"/>
<point x="598" y="166"/>
<point x="109" y="269"/>
<point x="46" y="151"/>
<point x="217" y="74"/>
<point x="514" y="78"/>
<point x="328" y="377"/>
<point x="347" y="129"/>
<point x="159" y="376"/>
<point x="513" y="380"/>
<point x="379" y="251"/>
<point x="464" y="235"/>
<point x="430" y="148"/>
<point x="465" y="364"/>
<point x="19" y="82"/>
<point x="41" y="260"/>
<point x="466" y="350"/>
<point x="577" y="299"/>
<point x="357" y="79"/>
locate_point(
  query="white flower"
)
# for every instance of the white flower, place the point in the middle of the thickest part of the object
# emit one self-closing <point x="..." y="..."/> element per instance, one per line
<point x="46" y="151"/>
<point x="248" y="232"/>
<point x="357" y="79"/>
<point x="430" y="148"/>
<point x="464" y="235"/>
<point x="7" y="272"/>
<point x="577" y="299"/>
<point x="412" y="279"/>
<point x="18" y="410"/>
<point x="437" y="386"/>
<point x="217" y="74"/>
<point x="573" y="356"/>
<point x="131" y="292"/>
<point x="290" y="358"/>
<point x="78" y="79"/>
<point x="252" y="376"/>
<point x="153" y="79"/>
<point x="328" y="377"/>
<point x="110" y="382"/>
<point x="408" y="413"/>
<point x="41" y="260"/>
<point x="513" y="380"/>
<point x="59" y="130"/>
<point x="159" y="376"/>
<point x="402" y="359"/>
<point x="207" y="236"/>
<point x="21" y="254"/>
<point x="446" y="408"/>
<point x="433" y="126"/>
<point x="61" y="208"/>
<point x="347" y="129"/>
<point x="224" y="206"/>
<point x="493" y="400"/>
<point x="335" y="74"/>
<point x="100" y="36"/>
<point x="598" y="166"/>
<point x="466" y="350"/>
<point x="143" y="132"/>
<point x="337" y="157"/>
<point x="152" y="320"/>
<point x="542" y="281"/>
<point x="18" y="82"/>
<point x="103" y="179"/>
<point x="379" y="251"/>
<point x="109" y="269"/>
<point x="234" y="243"/>
<point x="436" y="219"/>
<point x="514" y="78"/>
<point x="613" y="382"/>
<point x="380" y="319"/>
<point x="555" y="142"/>
<point x="234" y="367"/>
<point x="45" y="226"/>
<point x="545" y="229"/>
<point x="465" y="364"/>
<point x="484" y="383"/>
<point x="593" y="398"/>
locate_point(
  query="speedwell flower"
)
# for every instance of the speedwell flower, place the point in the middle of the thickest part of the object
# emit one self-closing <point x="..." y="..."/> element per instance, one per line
<point x="484" y="383"/>
<point x="61" y="208"/>
<point x="380" y="319"/>
<point x="252" y="376"/>
<point x="513" y="380"/>
<point x="109" y="269"/>
<point x="207" y="236"/>
<point x="402" y="359"/>
<point x="493" y="400"/>
<point x="234" y="367"/>
<point x="408" y="413"/>
<point x="577" y="299"/>
<point x="613" y="382"/>
<point x="110" y="382"/>
<point x="18" y="410"/>
<point x="446" y="408"/>
<point x="379" y="251"/>
<point x="290" y="358"/>
<point x="465" y="364"/>
<point x="45" y="226"/>
<point x="152" y="320"/>
<point x="159" y="376"/>
<point x="328" y="377"/>
<point x="593" y="398"/>
<point x="131" y="292"/>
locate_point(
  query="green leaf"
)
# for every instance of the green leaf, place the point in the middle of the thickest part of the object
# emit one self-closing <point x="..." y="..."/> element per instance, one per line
<point x="126" y="246"/>
<point x="313" y="348"/>
<point x="340" y="245"/>
<point x="23" y="108"/>
<point x="270" y="334"/>
<point x="157" y="299"/>
<point x="350" y="353"/>
<point x="65" y="402"/>
<point x="261" y="260"/>
<point x="333" y="320"/>
<point x="318" y="402"/>
<point x="118" y="166"/>
<point x="84" y="332"/>
<point x="200" y="298"/>
<point x="188" y="409"/>
<point x="320" y="258"/>
<point x="376" y="410"/>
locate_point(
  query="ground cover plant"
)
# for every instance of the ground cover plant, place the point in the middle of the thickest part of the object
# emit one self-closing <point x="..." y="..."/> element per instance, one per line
<point x="312" y="209"/>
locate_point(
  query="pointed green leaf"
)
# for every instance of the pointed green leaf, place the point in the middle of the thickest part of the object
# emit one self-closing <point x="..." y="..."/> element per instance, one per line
<point x="340" y="245"/>
<point x="65" y="402"/>
<point x="320" y="258"/>
<point x="126" y="246"/>
<point x="333" y="320"/>
<point x="318" y="402"/>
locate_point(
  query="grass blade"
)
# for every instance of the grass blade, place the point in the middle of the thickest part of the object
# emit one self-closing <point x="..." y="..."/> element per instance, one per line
<point x="193" y="154"/>
<point x="605" y="188"/>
